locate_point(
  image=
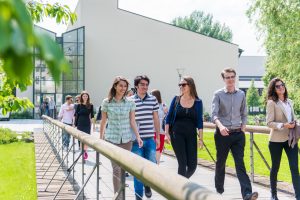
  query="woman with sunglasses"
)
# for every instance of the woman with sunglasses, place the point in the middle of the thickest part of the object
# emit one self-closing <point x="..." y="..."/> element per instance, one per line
<point x="281" y="119"/>
<point x="119" y="112"/>
<point x="185" y="117"/>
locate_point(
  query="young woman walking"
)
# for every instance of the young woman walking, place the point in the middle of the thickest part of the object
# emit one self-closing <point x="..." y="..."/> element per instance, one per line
<point x="83" y="116"/>
<point x="186" y="119"/>
<point x="119" y="113"/>
<point x="281" y="120"/>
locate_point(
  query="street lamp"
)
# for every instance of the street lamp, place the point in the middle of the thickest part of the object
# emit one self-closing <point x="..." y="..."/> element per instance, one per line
<point x="180" y="72"/>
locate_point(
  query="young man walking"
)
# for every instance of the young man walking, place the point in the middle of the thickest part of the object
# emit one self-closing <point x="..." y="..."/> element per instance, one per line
<point x="229" y="113"/>
<point x="146" y="116"/>
<point x="66" y="114"/>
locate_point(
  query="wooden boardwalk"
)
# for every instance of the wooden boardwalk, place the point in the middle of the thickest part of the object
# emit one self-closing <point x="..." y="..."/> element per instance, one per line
<point x="203" y="176"/>
<point x="42" y="150"/>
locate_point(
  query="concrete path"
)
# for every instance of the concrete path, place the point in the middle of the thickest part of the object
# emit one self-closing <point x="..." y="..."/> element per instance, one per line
<point x="203" y="176"/>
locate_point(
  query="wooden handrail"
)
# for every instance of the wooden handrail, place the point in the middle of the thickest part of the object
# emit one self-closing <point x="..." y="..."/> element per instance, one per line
<point x="168" y="184"/>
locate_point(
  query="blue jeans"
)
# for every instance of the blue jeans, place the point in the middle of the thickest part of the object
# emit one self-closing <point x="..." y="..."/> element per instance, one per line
<point x="148" y="151"/>
<point x="66" y="137"/>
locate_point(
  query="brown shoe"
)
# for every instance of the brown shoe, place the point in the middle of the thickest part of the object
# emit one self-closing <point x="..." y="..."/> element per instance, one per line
<point x="252" y="196"/>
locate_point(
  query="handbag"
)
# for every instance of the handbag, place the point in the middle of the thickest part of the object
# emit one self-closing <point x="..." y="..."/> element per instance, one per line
<point x="173" y="114"/>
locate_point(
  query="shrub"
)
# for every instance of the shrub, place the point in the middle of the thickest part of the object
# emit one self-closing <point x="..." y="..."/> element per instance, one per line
<point x="206" y="117"/>
<point x="254" y="119"/>
<point x="7" y="136"/>
<point x="26" y="114"/>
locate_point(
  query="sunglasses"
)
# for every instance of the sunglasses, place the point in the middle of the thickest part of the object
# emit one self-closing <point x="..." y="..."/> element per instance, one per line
<point x="279" y="86"/>
<point x="182" y="84"/>
<point x="229" y="77"/>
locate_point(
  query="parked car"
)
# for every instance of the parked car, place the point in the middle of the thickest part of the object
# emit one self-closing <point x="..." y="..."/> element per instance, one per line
<point x="4" y="117"/>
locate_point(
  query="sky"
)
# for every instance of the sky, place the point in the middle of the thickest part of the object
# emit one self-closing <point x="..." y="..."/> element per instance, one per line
<point x="230" y="12"/>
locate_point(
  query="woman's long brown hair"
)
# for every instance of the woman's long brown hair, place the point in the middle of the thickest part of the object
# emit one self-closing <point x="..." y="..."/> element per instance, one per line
<point x="112" y="92"/>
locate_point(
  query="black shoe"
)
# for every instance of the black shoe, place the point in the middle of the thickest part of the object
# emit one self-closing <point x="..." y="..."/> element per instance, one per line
<point x="220" y="191"/>
<point x="126" y="174"/>
<point x="137" y="197"/>
<point x="148" y="191"/>
<point x="274" y="197"/>
<point x="252" y="196"/>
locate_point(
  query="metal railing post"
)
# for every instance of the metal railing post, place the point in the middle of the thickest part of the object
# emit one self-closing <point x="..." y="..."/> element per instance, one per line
<point x="73" y="158"/>
<point x="97" y="176"/>
<point x="82" y="168"/>
<point x="252" y="156"/>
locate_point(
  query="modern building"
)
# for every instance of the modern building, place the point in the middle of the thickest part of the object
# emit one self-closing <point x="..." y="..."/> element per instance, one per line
<point x="107" y="41"/>
<point x="251" y="68"/>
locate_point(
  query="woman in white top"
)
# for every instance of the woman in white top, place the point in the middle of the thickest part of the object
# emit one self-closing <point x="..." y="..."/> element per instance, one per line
<point x="281" y="119"/>
<point x="162" y="111"/>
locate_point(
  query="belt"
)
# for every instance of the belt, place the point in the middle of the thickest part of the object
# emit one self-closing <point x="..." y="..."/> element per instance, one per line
<point x="234" y="130"/>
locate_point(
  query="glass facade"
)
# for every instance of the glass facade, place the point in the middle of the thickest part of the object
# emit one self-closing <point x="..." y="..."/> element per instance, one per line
<point x="72" y="43"/>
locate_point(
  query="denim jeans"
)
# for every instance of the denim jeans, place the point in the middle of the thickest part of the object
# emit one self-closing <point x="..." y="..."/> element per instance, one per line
<point x="66" y="137"/>
<point x="276" y="149"/>
<point x="148" y="151"/>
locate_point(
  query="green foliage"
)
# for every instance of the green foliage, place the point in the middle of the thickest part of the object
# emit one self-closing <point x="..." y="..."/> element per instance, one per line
<point x="252" y="96"/>
<point x="201" y="23"/>
<point x="206" y="117"/>
<point x="17" y="172"/>
<point x="61" y="13"/>
<point x="18" y="39"/>
<point x="25" y="114"/>
<point x="8" y="102"/>
<point x="7" y="136"/>
<point x="257" y="120"/>
<point x="278" y="24"/>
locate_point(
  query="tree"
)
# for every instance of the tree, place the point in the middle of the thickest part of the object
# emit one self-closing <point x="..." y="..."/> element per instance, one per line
<point x="278" y="26"/>
<point x="201" y="23"/>
<point x="18" y="39"/>
<point x="252" y="96"/>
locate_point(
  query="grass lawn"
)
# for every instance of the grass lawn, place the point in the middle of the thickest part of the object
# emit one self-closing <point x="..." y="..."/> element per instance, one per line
<point x="259" y="166"/>
<point x="17" y="171"/>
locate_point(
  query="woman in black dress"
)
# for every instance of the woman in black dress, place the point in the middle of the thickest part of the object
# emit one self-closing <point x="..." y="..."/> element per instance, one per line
<point x="83" y="116"/>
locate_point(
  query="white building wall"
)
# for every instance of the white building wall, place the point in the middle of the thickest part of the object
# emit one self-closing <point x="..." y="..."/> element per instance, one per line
<point x="122" y="43"/>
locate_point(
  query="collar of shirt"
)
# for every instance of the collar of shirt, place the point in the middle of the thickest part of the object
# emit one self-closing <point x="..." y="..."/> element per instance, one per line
<point x="115" y="101"/>
<point x="226" y="91"/>
<point x="137" y="97"/>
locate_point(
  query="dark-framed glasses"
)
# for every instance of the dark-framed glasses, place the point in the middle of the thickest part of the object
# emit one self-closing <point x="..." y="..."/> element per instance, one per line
<point x="279" y="86"/>
<point x="229" y="77"/>
<point x="182" y="84"/>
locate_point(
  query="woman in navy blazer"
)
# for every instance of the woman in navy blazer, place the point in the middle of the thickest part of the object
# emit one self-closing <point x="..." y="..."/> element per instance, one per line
<point x="183" y="122"/>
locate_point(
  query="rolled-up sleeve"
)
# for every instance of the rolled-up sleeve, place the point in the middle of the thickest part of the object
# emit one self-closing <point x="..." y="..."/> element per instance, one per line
<point x="244" y="111"/>
<point x="104" y="106"/>
<point x="171" y="110"/>
<point x="215" y="107"/>
<point x="200" y="115"/>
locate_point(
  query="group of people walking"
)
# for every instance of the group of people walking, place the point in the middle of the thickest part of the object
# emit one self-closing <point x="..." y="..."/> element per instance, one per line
<point x="140" y="122"/>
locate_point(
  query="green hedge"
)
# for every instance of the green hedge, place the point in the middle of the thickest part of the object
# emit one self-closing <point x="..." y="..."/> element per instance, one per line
<point x="8" y="136"/>
<point x="26" y="114"/>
